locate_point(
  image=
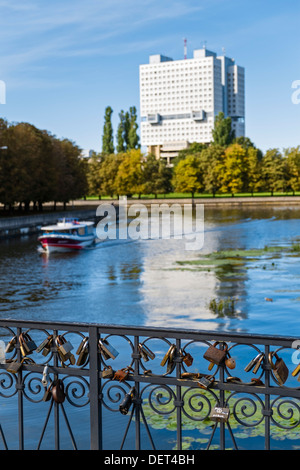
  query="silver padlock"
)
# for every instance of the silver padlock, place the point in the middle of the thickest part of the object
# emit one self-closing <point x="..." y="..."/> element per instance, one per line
<point x="108" y="350"/>
<point x="206" y="382"/>
<point x="45" y="377"/>
<point x="64" y="346"/>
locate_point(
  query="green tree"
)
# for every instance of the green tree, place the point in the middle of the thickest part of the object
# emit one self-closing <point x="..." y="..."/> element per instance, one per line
<point x="109" y="168"/>
<point x="121" y="144"/>
<point x="126" y="129"/>
<point x="133" y="138"/>
<point x="244" y="142"/>
<point x="234" y="178"/>
<point x="187" y="177"/>
<point x="194" y="148"/>
<point x="212" y="166"/>
<point x="94" y="177"/>
<point x="293" y="168"/>
<point x="107" y="137"/>
<point x="130" y="178"/>
<point x="222" y="133"/>
<point x="157" y="176"/>
<point x="71" y="171"/>
<point x="37" y="167"/>
<point x="273" y="171"/>
<point x="27" y="166"/>
<point x="254" y="158"/>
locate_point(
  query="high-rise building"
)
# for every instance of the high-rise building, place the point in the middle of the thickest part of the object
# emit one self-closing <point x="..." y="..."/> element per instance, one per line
<point x="179" y="100"/>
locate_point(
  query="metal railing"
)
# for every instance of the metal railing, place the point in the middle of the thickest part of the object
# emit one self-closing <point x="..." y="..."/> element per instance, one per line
<point x="167" y="396"/>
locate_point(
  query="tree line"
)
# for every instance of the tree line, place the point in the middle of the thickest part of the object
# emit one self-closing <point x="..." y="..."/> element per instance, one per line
<point x="228" y="165"/>
<point x="37" y="167"/>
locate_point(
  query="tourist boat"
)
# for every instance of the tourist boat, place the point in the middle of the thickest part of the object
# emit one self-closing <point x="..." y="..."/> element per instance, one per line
<point x="67" y="235"/>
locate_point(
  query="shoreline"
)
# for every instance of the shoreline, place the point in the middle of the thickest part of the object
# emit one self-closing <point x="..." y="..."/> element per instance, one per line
<point x="18" y="224"/>
<point x="217" y="201"/>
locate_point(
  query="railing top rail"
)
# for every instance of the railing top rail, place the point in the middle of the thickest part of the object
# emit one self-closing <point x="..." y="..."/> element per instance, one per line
<point x="247" y="338"/>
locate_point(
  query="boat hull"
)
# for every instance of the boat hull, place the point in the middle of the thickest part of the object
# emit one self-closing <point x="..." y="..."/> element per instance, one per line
<point x="64" y="244"/>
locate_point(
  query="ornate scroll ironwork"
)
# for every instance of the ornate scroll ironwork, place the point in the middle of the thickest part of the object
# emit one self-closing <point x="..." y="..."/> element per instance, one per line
<point x="175" y="388"/>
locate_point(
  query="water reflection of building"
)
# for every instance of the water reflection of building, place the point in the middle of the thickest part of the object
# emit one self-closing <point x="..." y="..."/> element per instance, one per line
<point x="178" y="295"/>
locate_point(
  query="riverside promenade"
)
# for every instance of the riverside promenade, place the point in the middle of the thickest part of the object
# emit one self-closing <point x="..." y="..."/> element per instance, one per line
<point x="209" y="201"/>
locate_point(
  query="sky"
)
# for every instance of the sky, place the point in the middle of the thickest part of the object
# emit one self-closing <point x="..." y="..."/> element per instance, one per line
<point x="63" y="62"/>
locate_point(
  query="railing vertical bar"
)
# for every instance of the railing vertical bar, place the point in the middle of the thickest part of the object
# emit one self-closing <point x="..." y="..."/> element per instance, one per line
<point x="222" y="395"/>
<point x="56" y="406"/>
<point x="137" y="389"/>
<point x="20" y="395"/>
<point x="267" y="399"/>
<point x="178" y="395"/>
<point x="95" y="386"/>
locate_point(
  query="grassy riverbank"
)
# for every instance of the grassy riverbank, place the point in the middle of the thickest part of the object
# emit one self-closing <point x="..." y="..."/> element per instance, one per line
<point x="177" y="195"/>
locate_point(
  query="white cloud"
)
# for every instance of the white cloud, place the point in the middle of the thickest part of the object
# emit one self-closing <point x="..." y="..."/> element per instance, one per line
<point x="36" y="31"/>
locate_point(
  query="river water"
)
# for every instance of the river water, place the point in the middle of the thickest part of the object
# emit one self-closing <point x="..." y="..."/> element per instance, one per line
<point x="155" y="283"/>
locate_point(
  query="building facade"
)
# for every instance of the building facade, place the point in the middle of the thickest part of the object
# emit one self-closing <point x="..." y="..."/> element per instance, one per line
<point x="179" y="100"/>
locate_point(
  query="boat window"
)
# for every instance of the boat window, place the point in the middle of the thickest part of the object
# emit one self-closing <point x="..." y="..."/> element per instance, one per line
<point x="81" y="231"/>
<point x="90" y="229"/>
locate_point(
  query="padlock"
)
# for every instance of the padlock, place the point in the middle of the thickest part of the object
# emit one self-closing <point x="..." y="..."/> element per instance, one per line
<point x="122" y="374"/>
<point x="230" y="362"/>
<point x="258" y="358"/>
<point x="107" y="350"/>
<point x="108" y="373"/>
<point x="145" y="352"/>
<point x="44" y="343"/>
<point x="148" y="351"/>
<point x="27" y="345"/>
<point x="57" y="391"/>
<point x="45" y="377"/>
<point x="191" y="375"/>
<point x="170" y="353"/>
<point x="206" y="381"/>
<point x="62" y="346"/>
<point x="258" y="363"/>
<point x="83" y="354"/>
<point x="187" y="358"/>
<point x="279" y="369"/>
<point x="15" y="366"/>
<point x="47" y="348"/>
<point x="216" y="355"/>
<point x="219" y="415"/>
<point x="81" y="345"/>
<point x="48" y="393"/>
<point x="127" y="402"/>
<point x="11" y="345"/>
<point x="170" y="359"/>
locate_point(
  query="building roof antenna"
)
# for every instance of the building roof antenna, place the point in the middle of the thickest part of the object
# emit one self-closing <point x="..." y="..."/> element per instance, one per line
<point x="204" y="44"/>
<point x="185" y="47"/>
